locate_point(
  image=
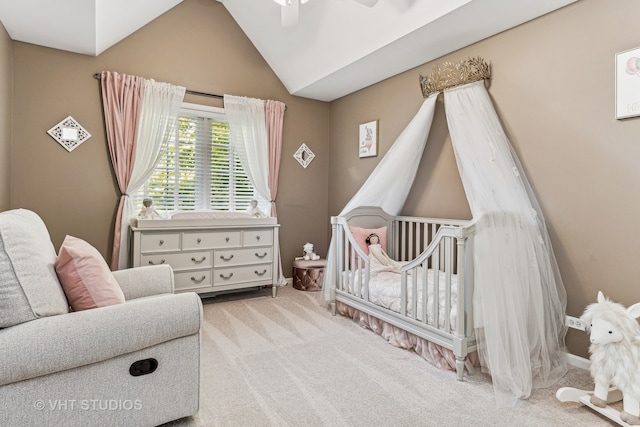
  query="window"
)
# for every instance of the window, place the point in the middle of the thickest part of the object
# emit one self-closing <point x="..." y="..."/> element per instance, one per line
<point x="199" y="169"/>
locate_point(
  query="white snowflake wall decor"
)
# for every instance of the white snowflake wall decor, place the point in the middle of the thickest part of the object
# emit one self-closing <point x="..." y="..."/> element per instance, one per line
<point x="69" y="133"/>
<point x="304" y="155"/>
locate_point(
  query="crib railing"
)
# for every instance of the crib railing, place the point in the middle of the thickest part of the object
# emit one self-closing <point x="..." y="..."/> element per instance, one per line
<point x="412" y="235"/>
<point x="423" y="244"/>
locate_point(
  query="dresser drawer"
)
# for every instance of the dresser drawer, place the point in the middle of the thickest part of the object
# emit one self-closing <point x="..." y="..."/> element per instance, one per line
<point x="193" y="280"/>
<point x="180" y="260"/>
<point x="231" y="275"/>
<point x="231" y="257"/>
<point x="210" y="239"/>
<point x="257" y="237"/>
<point x="159" y="242"/>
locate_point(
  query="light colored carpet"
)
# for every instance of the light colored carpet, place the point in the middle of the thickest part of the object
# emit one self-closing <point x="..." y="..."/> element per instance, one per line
<point x="288" y="362"/>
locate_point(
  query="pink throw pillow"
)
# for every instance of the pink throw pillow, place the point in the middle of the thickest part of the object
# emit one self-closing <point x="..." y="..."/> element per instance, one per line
<point x="361" y="234"/>
<point x="85" y="276"/>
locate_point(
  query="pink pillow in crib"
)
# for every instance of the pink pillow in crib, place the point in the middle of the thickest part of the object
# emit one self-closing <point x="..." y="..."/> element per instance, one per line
<point x="85" y="276"/>
<point x="361" y="234"/>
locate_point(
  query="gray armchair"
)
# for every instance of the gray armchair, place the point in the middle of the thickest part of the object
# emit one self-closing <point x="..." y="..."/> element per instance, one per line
<point x="136" y="363"/>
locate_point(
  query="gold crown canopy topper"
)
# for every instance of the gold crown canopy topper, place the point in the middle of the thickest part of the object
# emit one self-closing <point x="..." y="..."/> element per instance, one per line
<point x="449" y="74"/>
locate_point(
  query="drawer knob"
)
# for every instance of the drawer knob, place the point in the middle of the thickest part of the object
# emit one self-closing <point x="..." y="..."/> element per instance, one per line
<point x="258" y="237"/>
<point x="226" y="259"/>
<point x="199" y="240"/>
<point x="260" y="274"/>
<point x="260" y="256"/>
<point x="161" y="242"/>
<point x="222" y="276"/>
<point x="153" y="263"/>
<point x="194" y="280"/>
<point x="226" y="238"/>
<point x="199" y="261"/>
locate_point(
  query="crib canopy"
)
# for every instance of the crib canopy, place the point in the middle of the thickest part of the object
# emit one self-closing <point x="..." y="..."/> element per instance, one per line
<point x="519" y="299"/>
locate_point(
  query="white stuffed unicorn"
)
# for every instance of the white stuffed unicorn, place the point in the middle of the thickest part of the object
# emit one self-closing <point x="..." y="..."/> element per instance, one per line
<point x="615" y="354"/>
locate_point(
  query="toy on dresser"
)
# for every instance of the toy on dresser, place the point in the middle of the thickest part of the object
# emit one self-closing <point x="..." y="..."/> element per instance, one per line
<point x="614" y="333"/>
<point x="148" y="211"/>
<point x="254" y="211"/>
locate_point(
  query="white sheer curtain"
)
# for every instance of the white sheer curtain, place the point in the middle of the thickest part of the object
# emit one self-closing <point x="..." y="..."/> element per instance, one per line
<point x="390" y="182"/>
<point x="248" y="131"/>
<point x="519" y="298"/>
<point x="161" y="104"/>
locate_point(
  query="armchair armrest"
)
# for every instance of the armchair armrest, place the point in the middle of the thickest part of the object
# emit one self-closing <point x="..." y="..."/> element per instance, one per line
<point x="145" y="281"/>
<point x="68" y="341"/>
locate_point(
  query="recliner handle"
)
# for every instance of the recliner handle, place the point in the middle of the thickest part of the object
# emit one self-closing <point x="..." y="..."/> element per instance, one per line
<point x="143" y="367"/>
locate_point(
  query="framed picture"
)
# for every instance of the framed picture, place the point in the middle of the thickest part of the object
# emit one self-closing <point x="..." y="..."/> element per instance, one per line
<point x="368" y="139"/>
<point x="628" y="83"/>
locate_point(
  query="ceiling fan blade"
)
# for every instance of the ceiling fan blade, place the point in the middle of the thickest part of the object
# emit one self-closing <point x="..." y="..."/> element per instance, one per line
<point x="368" y="3"/>
<point x="289" y="13"/>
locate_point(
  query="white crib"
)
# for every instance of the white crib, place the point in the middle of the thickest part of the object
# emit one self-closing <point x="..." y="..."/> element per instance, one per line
<point x="434" y="288"/>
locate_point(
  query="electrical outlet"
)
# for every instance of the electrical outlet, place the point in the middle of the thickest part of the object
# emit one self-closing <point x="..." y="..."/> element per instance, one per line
<point x="575" y="323"/>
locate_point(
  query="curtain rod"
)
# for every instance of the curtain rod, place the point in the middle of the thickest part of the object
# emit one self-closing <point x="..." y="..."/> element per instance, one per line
<point x="98" y="76"/>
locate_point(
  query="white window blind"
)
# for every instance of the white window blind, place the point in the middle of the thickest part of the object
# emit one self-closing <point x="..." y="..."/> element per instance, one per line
<point x="199" y="169"/>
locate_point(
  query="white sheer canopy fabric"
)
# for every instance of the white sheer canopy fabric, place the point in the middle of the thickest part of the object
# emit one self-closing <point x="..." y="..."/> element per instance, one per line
<point x="519" y="298"/>
<point x="390" y="182"/>
<point x="161" y="104"/>
<point x="248" y="131"/>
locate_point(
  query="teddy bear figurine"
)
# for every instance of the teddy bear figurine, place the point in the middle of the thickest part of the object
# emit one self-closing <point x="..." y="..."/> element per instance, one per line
<point x="254" y="210"/>
<point x="148" y="211"/>
<point x="309" y="254"/>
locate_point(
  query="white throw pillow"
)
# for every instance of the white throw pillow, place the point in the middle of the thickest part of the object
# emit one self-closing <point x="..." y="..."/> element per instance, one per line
<point x="29" y="286"/>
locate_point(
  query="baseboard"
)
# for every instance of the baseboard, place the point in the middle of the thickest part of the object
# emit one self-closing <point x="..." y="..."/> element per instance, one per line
<point x="577" y="361"/>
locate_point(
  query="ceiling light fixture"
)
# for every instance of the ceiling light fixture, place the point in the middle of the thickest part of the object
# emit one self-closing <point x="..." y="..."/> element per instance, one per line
<point x="288" y="2"/>
<point x="290" y="11"/>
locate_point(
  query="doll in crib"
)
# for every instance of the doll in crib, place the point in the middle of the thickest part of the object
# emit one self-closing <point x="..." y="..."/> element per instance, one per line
<point x="380" y="261"/>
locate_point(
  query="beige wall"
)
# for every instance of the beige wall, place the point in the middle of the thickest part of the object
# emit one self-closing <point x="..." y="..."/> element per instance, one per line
<point x="6" y="65"/>
<point x="198" y="45"/>
<point x="553" y="87"/>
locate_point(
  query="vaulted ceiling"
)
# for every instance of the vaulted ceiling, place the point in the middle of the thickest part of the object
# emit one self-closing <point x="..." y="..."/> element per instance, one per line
<point x="337" y="46"/>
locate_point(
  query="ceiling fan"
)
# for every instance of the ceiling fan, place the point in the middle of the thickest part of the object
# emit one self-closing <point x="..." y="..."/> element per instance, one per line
<point x="291" y="10"/>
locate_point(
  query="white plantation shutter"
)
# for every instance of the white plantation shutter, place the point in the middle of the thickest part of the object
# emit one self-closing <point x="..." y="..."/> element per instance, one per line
<point x="230" y="188"/>
<point x="199" y="169"/>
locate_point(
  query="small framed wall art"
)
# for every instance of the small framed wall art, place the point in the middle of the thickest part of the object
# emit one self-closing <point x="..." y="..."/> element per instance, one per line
<point x="368" y="139"/>
<point x="69" y="133"/>
<point x="304" y="155"/>
<point x="628" y="83"/>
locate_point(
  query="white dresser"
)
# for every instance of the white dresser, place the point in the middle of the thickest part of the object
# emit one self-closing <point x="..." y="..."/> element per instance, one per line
<point x="210" y="255"/>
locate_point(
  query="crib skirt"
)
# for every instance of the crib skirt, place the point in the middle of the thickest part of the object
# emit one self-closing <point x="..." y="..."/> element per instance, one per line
<point x="434" y="354"/>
